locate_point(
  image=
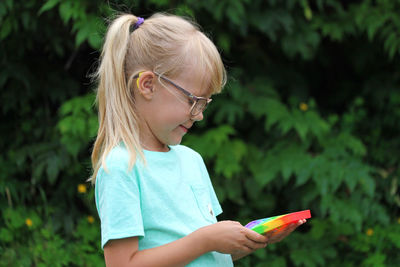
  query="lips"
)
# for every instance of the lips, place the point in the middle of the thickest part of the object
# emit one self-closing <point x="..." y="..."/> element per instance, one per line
<point x="184" y="128"/>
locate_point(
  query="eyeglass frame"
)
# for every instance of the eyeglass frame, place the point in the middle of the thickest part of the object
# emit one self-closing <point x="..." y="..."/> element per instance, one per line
<point x="194" y="98"/>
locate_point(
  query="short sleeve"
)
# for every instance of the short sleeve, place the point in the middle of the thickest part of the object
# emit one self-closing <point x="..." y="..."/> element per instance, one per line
<point x="118" y="204"/>
<point x="214" y="200"/>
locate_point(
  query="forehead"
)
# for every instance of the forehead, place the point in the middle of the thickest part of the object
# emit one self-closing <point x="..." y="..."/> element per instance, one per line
<point x="195" y="81"/>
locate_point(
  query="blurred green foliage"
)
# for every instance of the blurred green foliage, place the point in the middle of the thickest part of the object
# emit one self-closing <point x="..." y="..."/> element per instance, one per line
<point x="309" y="119"/>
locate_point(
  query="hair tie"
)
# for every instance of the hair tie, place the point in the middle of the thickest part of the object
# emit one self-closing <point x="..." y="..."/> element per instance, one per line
<point x="137" y="24"/>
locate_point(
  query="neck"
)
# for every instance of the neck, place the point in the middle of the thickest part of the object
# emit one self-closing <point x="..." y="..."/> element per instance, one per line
<point x="161" y="148"/>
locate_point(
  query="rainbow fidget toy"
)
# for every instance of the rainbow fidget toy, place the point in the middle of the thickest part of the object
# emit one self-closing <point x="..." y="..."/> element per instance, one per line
<point x="263" y="226"/>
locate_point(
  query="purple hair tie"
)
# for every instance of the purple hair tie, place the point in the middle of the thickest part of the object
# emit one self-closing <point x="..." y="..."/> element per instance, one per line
<point x="137" y="24"/>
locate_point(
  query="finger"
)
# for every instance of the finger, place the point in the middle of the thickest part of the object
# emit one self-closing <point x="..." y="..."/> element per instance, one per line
<point x="293" y="226"/>
<point x="254" y="236"/>
<point x="290" y="228"/>
<point x="279" y="230"/>
<point x="255" y="245"/>
<point x="300" y="222"/>
<point x="281" y="234"/>
<point x="279" y="237"/>
<point x="247" y="249"/>
<point x="256" y="241"/>
<point x="271" y="233"/>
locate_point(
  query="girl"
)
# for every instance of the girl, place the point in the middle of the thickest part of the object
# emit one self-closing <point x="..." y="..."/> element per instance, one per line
<point x="154" y="197"/>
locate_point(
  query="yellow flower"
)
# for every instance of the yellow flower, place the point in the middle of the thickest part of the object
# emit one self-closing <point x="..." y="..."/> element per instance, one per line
<point x="398" y="220"/>
<point x="370" y="232"/>
<point x="81" y="188"/>
<point x="308" y="13"/>
<point x="303" y="106"/>
<point x="90" y="219"/>
<point x="28" y="222"/>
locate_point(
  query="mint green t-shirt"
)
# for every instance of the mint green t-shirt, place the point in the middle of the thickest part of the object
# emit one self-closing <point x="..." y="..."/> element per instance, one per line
<point x="161" y="201"/>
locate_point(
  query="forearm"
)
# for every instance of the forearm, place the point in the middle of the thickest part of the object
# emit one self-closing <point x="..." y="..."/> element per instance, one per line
<point x="226" y="237"/>
<point x="177" y="253"/>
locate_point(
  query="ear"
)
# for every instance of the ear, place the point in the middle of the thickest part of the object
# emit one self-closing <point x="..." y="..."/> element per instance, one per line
<point x="145" y="84"/>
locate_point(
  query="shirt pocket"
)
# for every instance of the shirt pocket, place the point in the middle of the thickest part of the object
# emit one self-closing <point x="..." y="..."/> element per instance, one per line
<point x="203" y="200"/>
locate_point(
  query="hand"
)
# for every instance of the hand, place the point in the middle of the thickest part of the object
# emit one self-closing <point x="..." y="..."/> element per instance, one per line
<point x="279" y="234"/>
<point x="231" y="237"/>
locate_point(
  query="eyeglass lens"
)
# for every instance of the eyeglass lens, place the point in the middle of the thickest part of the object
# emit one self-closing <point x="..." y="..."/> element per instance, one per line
<point x="199" y="106"/>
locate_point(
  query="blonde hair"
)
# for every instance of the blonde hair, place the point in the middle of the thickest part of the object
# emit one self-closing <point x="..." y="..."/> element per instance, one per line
<point x="163" y="43"/>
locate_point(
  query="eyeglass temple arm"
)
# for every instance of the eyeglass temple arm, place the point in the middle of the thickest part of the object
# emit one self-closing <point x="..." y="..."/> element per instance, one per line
<point x="177" y="86"/>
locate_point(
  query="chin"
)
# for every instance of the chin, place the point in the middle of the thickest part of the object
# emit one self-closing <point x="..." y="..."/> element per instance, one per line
<point x="174" y="139"/>
<point x="175" y="142"/>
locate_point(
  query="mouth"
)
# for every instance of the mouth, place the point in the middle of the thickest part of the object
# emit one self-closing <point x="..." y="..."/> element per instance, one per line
<point x="184" y="128"/>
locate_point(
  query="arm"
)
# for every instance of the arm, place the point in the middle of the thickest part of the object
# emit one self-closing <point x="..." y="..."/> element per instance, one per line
<point x="124" y="252"/>
<point x="226" y="237"/>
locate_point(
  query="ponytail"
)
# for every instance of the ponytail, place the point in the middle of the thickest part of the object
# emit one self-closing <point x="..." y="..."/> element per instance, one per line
<point x="117" y="117"/>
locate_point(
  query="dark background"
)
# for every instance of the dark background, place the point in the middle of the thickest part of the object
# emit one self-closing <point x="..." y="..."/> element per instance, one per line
<point x="309" y="119"/>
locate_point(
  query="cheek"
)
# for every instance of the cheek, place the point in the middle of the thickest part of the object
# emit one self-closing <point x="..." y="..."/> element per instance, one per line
<point x="167" y="111"/>
<point x="169" y="115"/>
<point x="173" y="109"/>
<point x="174" y="100"/>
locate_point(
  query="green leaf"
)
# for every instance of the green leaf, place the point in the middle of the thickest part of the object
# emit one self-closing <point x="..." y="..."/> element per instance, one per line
<point x="272" y="21"/>
<point x="159" y="3"/>
<point x="81" y="36"/>
<point x="6" y="28"/>
<point x="6" y="235"/>
<point x="48" y="5"/>
<point x="10" y="4"/>
<point x="3" y="10"/>
<point x="224" y="42"/>
<point x="277" y="112"/>
<point x="228" y="161"/>
<point x="52" y="168"/>
<point x="266" y="170"/>
<point x="235" y="12"/>
<point x="300" y="124"/>
<point x="319" y="228"/>
<point x="368" y="184"/>
<point x="376" y="260"/>
<point x="301" y="257"/>
<point x="66" y="11"/>
<point x="394" y="237"/>
<point x="14" y="218"/>
<point x="184" y="10"/>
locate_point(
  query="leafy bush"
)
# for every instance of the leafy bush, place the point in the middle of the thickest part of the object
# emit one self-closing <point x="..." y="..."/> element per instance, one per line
<point x="308" y="120"/>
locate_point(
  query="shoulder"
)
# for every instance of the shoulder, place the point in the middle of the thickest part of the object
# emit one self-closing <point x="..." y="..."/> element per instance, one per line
<point x="119" y="156"/>
<point x="189" y="157"/>
<point x="186" y="152"/>
<point x="119" y="160"/>
<point x="116" y="169"/>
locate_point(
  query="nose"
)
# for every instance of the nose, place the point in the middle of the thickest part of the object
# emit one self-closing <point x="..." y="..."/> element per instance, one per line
<point x="198" y="117"/>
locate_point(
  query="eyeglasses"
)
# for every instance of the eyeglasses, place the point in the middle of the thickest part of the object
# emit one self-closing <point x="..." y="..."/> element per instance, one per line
<point x="199" y="104"/>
